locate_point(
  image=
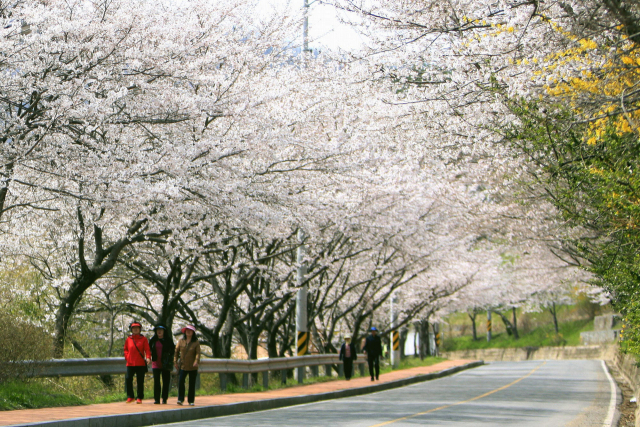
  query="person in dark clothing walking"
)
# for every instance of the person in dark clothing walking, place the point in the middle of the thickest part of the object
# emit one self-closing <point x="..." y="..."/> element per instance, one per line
<point x="162" y="349"/>
<point x="348" y="355"/>
<point x="373" y="349"/>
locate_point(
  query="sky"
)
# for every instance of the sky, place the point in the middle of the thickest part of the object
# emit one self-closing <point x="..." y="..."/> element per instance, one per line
<point x="325" y="28"/>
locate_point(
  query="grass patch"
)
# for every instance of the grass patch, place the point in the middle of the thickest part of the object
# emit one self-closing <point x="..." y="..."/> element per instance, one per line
<point x="543" y="336"/>
<point x="32" y="394"/>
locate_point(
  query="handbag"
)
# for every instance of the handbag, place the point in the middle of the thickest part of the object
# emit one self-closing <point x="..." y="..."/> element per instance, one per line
<point x="146" y="366"/>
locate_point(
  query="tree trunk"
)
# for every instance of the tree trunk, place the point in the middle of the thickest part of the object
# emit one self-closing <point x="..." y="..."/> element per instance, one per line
<point x="553" y="312"/>
<point x="507" y="324"/>
<point x="104" y="260"/>
<point x="515" y="324"/>
<point x="65" y="311"/>
<point x="474" y="328"/>
<point x="424" y="339"/>
<point x="112" y="331"/>
<point x="404" y="332"/>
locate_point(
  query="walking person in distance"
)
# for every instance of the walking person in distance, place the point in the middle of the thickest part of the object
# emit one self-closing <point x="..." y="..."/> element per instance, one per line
<point x="348" y="355"/>
<point x="162" y="349"/>
<point x="137" y="355"/>
<point x="373" y="350"/>
<point x="187" y="360"/>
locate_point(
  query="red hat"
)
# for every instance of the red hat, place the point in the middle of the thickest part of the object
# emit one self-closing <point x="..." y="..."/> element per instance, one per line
<point x="193" y="328"/>
<point x="133" y="324"/>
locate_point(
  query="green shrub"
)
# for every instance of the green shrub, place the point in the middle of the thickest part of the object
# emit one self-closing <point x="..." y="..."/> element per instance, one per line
<point x="20" y="341"/>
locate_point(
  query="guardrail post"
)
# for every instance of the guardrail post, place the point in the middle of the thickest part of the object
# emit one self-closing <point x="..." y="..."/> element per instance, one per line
<point x="327" y="370"/>
<point x="283" y="373"/>
<point x="340" y="370"/>
<point x="362" y="369"/>
<point x="314" y="371"/>
<point x="265" y="380"/>
<point x="301" y="372"/>
<point x="223" y="381"/>
<point x="198" y="381"/>
<point x="245" y="380"/>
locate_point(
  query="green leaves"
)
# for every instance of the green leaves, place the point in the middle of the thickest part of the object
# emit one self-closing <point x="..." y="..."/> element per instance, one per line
<point x="595" y="187"/>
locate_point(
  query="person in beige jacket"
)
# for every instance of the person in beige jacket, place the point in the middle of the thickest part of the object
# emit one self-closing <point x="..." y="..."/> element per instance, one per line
<point x="187" y="360"/>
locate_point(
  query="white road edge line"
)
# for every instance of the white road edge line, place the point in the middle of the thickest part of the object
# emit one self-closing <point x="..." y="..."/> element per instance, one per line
<point x="608" y="421"/>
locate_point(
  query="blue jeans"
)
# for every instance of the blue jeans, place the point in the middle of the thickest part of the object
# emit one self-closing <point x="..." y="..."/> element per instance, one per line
<point x="192" y="385"/>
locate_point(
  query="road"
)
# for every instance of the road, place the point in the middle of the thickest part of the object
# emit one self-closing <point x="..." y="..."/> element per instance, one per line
<point x="569" y="393"/>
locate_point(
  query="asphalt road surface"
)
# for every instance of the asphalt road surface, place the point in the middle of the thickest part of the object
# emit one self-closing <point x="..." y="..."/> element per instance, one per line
<point x="534" y="393"/>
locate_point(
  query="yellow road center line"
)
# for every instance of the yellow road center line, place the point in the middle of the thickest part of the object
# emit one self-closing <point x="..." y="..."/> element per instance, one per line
<point x="460" y="403"/>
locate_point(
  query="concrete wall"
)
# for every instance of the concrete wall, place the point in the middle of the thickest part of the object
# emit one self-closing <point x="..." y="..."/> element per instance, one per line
<point x="598" y="337"/>
<point x="628" y="367"/>
<point x="605" y="352"/>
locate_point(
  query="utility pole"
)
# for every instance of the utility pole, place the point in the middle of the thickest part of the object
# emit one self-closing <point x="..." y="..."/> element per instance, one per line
<point x="302" y="347"/>
<point x="305" y="29"/>
<point x="488" y="325"/>
<point x="395" y="336"/>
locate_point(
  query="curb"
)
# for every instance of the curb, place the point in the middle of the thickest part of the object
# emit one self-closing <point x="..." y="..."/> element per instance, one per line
<point x="616" y="413"/>
<point x="189" y="414"/>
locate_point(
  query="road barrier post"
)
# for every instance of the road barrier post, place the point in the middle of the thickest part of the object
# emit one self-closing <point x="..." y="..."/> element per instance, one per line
<point x="245" y="381"/>
<point x="395" y="336"/>
<point x="223" y="381"/>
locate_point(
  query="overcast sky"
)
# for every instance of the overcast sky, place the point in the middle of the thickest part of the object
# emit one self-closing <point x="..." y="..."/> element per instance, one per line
<point x="325" y="29"/>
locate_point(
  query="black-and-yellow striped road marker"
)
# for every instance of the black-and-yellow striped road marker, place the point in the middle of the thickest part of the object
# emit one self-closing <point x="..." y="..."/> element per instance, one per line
<point x="396" y="340"/>
<point x="303" y="343"/>
<point x="461" y="402"/>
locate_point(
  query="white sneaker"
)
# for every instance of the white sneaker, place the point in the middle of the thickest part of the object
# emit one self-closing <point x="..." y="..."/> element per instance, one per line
<point x="192" y="404"/>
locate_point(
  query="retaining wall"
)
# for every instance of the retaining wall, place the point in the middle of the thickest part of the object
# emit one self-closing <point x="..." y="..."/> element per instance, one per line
<point x="604" y="352"/>
<point x="628" y="366"/>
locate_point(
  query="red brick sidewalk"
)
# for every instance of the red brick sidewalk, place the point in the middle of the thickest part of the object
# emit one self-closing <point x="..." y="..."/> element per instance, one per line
<point x="25" y="416"/>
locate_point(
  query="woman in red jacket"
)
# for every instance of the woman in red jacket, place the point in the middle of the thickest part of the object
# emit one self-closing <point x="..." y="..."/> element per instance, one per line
<point x="137" y="354"/>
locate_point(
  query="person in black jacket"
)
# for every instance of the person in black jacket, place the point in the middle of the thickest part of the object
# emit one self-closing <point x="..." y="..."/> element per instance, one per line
<point x="373" y="349"/>
<point x="348" y="355"/>
<point x="162" y="349"/>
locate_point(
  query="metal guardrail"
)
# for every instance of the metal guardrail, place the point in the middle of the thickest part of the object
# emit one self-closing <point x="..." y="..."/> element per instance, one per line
<point x="117" y="366"/>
